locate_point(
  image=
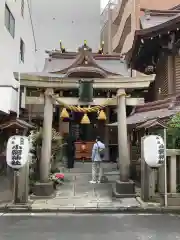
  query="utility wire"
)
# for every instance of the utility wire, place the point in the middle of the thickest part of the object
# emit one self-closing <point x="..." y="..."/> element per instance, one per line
<point x="33" y="32"/>
<point x="29" y="4"/>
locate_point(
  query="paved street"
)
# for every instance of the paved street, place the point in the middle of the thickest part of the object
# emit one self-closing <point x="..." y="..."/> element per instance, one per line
<point x="81" y="227"/>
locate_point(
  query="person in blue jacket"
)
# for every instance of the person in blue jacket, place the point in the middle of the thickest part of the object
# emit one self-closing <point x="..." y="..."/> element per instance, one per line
<point x="97" y="157"/>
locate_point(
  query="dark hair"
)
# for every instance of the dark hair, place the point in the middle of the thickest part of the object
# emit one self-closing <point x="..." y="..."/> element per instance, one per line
<point x="98" y="138"/>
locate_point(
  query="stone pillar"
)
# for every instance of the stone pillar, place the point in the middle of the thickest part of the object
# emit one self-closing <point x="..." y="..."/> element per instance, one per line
<point x="45" y="187"/>
<point x="23" y="184"/>
<point x="46" y="137"/>
<point x="124" y="160"/>
<point x="173" y="174"/>
<point x="161" y="184"/>
<point x="124" y="187"/>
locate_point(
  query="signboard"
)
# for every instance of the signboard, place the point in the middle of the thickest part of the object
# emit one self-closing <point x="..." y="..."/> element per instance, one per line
<point x="17" y="151"/>
<point x="154" y="150"/>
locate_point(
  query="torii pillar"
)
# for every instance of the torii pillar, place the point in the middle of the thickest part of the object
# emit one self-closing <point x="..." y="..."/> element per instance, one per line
<point x="45" y="187"/>
<point x="124" y="186"/>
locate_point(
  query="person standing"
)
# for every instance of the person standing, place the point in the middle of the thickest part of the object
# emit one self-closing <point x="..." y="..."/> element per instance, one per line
<point x="70" y="151"/>
<point x="97" y="157"/>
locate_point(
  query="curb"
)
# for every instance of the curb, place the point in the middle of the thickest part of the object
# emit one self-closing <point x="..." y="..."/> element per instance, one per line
<point x="124" y="210"/>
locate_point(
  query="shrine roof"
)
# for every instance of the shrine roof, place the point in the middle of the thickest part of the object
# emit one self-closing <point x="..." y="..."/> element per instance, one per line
<point x="161" y="109"/>
<point x="63" y="61"/>
<point x="82" y="64"/>
<point x="153" y="18"/>
<point x="154" y="123"/>
<point x="111" y="65"/>
<point x="148" y="42"/>
<point x="16" y="123"/>
<point x="158" y="109"/>
<point x="154" y="31"/>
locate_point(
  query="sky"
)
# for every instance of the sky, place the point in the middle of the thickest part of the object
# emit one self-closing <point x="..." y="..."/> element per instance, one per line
<point x="103" y="3"/>
<point x="82" y="22"/>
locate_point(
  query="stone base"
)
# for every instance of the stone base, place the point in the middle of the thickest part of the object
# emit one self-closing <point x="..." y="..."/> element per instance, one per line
<point x="124" y="189"/>
<point x="43" y="189"/>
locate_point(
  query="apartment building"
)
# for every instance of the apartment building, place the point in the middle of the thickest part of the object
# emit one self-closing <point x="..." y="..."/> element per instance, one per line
<point x="122" y="19"/>
<point x="17" y="48"/>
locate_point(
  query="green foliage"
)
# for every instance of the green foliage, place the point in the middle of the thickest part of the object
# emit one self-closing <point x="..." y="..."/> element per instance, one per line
<point x="173" y="132"/>
<point x="178" y="188"/>
<point x="36" y="137"/>
<point x="35" y="150"/>
<point x="174" y="121"/>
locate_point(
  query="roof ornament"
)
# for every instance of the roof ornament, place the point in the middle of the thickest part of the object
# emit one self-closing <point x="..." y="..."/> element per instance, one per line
<point x="101" y="49"/>
<point x="84" y="47"/>
<point x="63" y="50"/>
<point x="122" y="58"/>
<point x="147" y="14"/>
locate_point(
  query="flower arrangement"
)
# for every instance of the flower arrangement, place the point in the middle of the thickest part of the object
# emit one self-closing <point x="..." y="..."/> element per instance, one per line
<point x="57" y="179"/>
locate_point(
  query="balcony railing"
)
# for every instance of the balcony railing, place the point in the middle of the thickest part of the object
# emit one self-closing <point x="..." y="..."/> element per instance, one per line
<point x="118" y="11"/>
<point x="105" y="13"/>
<point x="120" y="36"/>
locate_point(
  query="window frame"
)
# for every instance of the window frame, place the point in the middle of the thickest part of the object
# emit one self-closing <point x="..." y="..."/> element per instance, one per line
<point x="9" y="21"/>
<point x="22" y="50"/>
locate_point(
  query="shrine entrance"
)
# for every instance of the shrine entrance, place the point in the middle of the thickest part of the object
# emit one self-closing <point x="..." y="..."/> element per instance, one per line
<point x="85" y="134"/>
<point x="84" y="127"/>
<point x="87" y="86"/>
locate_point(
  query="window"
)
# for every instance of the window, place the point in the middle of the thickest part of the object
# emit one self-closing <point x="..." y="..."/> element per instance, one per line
<point x="22" y="50"/>
<point x="9" y="21"/>
<point x="22" y="8"/>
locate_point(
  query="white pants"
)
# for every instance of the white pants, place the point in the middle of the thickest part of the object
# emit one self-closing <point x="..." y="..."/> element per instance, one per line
<point x="97" y="171"/>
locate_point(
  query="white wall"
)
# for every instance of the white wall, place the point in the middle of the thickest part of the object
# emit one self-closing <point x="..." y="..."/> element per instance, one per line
<point x="10" y="48"/>
<point x="71" y="21"/>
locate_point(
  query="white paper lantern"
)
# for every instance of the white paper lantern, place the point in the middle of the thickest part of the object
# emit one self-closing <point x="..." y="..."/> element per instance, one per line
<point x="17" y="151"/>
<point x="154" y="150"/>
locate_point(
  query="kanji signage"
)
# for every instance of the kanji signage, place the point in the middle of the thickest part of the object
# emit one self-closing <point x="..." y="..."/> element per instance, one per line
<point x="17" y="151"/>
<point x="154" y="150"/>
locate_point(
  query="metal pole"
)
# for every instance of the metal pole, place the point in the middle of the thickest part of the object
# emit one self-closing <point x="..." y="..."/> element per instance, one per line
<point x="165" y="169"/>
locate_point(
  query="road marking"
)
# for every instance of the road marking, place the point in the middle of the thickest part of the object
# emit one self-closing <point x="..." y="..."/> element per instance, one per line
<point x="16" y="214"/>
<point x="58" y="214"/>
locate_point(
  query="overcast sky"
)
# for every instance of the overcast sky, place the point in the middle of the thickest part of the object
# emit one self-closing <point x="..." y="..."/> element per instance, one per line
<point x="103" y="3"/>
<point x="71" y="22"/>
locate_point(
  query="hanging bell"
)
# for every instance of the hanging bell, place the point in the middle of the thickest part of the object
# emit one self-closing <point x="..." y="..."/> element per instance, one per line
<point x="64" y="113"/>
<point x="102" y="115"/>
<point x="85" y="119"/>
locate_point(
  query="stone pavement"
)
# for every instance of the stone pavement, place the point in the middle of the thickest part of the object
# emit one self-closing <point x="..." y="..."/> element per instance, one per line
<point x="78" y="193"/>
<point x="83" y="168"/>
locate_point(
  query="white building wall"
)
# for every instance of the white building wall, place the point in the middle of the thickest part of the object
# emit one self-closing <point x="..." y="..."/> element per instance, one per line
<point x="10" y="52"/>
<point x="71" y="21"/>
